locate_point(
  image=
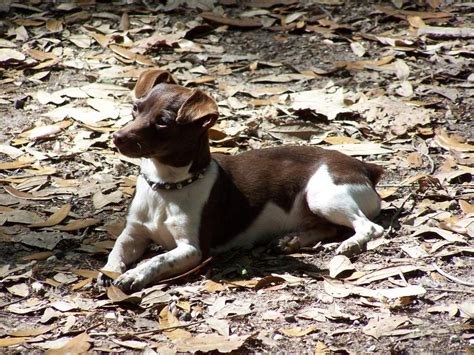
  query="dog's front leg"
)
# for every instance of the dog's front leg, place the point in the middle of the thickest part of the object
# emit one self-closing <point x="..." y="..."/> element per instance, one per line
<point x="128" y="248"/>
<point x="181" y="259"/>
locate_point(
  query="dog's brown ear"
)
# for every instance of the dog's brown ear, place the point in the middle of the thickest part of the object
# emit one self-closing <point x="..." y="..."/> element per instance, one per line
<point x="196" y="107"/>
<point x="149" y="78"/>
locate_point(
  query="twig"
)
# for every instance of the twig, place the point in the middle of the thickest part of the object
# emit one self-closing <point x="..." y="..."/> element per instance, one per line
<point x="6" y="304"/>
<point x="151" y="331"/>
<point x="448" y="290"/>
<point x="397" y="213"/>
<point x="451" y="277"/>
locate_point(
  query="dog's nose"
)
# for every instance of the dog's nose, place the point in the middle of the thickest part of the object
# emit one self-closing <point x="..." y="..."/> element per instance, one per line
<point x="118" y="138"/>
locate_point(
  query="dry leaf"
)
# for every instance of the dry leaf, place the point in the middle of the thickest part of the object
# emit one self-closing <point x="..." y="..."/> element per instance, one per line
<point x="328" y="102"/>
<point x="298" y="331"/>
<point x="358" y="49"/>
<point x="101" y="200"/>
<point x="4" y="342"/>
<point x="33" y="331"/>
<point x="56" y="218"/>
<point x="386" y="272"/>
<point x="20" y="290"/>
<point x="383" y="326"/>
<point x="116" y="295"/>
<point x="447" y="142"/>
<point x="361" y="149"/>
<point x="211" y="342"/>
<point x="340" y="265"/>
<point x="78" y="224"/>
<point x="9" y="55"/>
<point x="80" y="344"/>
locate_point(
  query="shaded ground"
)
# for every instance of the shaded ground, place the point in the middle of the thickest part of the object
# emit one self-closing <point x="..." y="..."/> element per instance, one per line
<point x="387" y="90"/>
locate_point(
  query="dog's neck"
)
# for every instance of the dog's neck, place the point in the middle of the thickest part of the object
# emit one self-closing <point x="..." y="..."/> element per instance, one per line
<point x="178" y="167"/>
<point x="159" y="172"/>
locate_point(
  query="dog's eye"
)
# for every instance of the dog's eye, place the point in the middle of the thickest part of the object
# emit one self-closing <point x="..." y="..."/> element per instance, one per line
<point x="135" y="108"/>
<point x="164" y="118"/>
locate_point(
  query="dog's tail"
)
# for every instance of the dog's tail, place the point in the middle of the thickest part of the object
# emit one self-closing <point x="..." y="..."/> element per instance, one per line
<point x="375" y="172"/>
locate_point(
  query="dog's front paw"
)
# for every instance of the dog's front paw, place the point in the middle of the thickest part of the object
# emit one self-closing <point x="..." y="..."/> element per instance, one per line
<point x="351" y="247"/>
<point x="103" y="280"/>
<point x="288" y="244"/>
<point x="133" y="280"/>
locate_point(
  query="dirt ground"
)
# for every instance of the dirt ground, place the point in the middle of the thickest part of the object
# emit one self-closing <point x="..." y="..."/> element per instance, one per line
<point x="388" y="87"/>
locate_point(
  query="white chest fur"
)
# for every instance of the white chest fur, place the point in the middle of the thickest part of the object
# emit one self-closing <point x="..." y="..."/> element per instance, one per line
<point x="166" y="216"/>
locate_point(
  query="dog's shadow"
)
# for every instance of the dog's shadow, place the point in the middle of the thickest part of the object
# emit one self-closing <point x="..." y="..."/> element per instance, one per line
<point x="242" y="265"/>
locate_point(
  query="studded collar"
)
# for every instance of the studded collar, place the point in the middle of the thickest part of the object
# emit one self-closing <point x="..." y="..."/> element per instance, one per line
<point x="155" y="185"/>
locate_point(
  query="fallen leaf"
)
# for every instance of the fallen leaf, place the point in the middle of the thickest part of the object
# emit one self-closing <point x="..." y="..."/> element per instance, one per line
<point x="116" y="295"/>
<point x="387" y="272"/>
<point x="219" y="325"/>
<point x="4" y="342"/>
<point x="211" y="342"/>
<point x="56" y="218"/>
<point x="383" y="326"/>
<point x="101" y="200"/>
<point x="80" y="344"/>
<point x="33" y="331"/>
<point x="283" y="78"/>
<point x="447" y="235"/>
<point x="361" y="149"/>
<point x="21" y="290"/>
<point x="340" y="265"/>
<point x="447" y="142"/>
<point x="131" y="344"/>
<point x="9" y="55"/>
<point x="299" y="331"/>
<point x="78" y="224"/>
<point x="328" y="102"/>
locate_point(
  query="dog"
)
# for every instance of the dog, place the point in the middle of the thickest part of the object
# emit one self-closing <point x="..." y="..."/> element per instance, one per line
<point x="194" y="203"/>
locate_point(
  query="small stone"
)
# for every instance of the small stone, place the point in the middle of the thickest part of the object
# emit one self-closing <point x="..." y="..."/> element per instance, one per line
<point x="277" y="337"/>
<point x="290" y="318"/>
<point x="186" y="317"/>
<point x="293" y="305"/>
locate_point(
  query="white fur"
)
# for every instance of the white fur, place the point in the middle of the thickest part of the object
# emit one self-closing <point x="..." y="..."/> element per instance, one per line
<point x="169" y="218"/>
<point x="347" y="205"/>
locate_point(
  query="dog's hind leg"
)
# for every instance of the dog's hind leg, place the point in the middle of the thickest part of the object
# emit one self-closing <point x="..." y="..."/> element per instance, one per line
<point x="349" y="205"/>
<point x="293" y="242"/>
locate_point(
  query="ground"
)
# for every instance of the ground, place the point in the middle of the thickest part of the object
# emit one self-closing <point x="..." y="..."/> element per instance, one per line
<point x="388" y="82"/>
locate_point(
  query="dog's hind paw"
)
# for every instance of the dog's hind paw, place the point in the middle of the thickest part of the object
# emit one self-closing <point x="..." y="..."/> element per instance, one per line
<point x="133" y="280"/>
<point x="351" y="247"/>
<point x="288" y="244"/>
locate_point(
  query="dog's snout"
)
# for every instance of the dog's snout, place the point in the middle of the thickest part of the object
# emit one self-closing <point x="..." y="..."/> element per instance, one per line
<point x="118" y="138"/>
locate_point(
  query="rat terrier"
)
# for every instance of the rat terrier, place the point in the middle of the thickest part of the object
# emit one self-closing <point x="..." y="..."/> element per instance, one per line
<point x="194" y="203"/>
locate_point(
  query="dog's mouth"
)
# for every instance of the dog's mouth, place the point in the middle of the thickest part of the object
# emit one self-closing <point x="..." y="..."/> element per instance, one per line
<point x="134" y="150"/>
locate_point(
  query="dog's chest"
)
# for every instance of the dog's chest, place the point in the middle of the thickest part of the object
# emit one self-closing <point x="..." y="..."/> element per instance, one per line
<point x="170" y="215"/>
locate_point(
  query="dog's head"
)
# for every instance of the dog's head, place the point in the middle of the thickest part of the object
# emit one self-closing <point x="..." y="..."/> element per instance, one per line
<point x="169" y="119"/>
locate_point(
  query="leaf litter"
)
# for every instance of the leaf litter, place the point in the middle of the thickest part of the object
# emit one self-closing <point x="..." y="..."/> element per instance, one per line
<point x="390" y="84"/>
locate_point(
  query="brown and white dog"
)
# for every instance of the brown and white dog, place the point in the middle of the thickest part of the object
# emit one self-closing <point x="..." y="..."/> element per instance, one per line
<point x="193" y="203"/>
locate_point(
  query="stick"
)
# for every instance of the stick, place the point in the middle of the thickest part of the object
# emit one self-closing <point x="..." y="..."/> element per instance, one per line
<point x="448" y="290"/>
<point x="452" y="278"/>
<point x="397" y="213"/>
